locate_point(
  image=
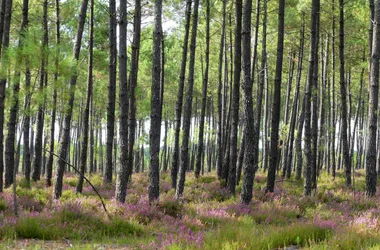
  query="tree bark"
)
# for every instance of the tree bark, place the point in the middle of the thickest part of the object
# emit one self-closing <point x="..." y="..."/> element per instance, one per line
<point x="86" y="114"/>
<point x="107" y="178"/>
<point x="308" y="93"/>
<point x="343" y="94"/>
<point x="155" y="115"/>
<point x="65" y="138"/>
<point x="200" y="148"/>
<point x="231" y="183"/>
<point x="6" y="8"/>
<point x="273" y="156"/>
<point x="371" y="174"/>
<point x="179" y="103"/>
<point x="184" y="156"/>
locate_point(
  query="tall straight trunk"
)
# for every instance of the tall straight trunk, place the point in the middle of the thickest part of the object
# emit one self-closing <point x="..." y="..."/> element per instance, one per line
<point x="219" y="161"/>
<point x="36" y="171"/>
<point x="179" y="103"/>
<point x="49" y="165"/>
<point x="6" y="10"/>
<point x="12" y="123"/>
<point x="107" y="177"/>
<point x="248" y="163"/>
<point x="200" y="148"/>
<point x="371" y="173"/>
<point x="92" y="141"/>
<point x="287" y="107"/>
<point x="273" y="156"/>
<point x="184" y="156"/>
<point x="343" y="94"/>
<point x="165" y="151"/>
<point x="308" y="96"/>
<point x="314" y="108"/>
<point x="26" y="128"/>
<point x="86" y="114"/>
<point x="121" y="176"/>
<point x="132" y="85"/>
<point x="261" y="83"/>
<point x="155" y="115"/>
<point x="289" y="150"/>
<point x="333" y="106"/>
<point x="65" y="139"/>
<point x="235" y="98"/>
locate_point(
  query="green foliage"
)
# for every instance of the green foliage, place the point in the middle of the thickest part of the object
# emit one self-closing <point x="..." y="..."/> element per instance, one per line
<point x="172" y="207"/>
<point x="244" y="234"/>
<point x="34" y="228"/>
<point x="3" y="206"/>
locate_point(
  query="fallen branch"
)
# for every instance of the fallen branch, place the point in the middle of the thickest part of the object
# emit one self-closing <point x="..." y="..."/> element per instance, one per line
<point x="84" y="177"/>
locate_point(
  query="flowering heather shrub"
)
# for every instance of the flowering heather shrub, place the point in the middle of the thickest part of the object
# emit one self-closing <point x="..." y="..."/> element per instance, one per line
<point x="142" y="211"/>
<point x="366" y="221"/>
<point x="165" y="186"/>
<point x="331" y="224"/>
<point x="183" y="236"/>
<point x="171" y="207"/>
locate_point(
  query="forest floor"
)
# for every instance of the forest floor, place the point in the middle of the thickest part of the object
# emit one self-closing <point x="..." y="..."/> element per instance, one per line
<point x="334" y="217"/>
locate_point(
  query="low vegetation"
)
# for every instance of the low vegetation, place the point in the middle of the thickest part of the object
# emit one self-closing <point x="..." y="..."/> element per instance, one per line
<point x="206" y="218"/>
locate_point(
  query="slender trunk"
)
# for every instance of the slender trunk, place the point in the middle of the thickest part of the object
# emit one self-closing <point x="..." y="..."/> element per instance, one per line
<point x="107" y="178"/>
<point x="121" y="176"/>
<point x="346" y="153"/>
<point x="184" y="156"/>
<point x="289" y="150"/>
<point x="235" y="98"/>
<point x="273" y="157"/>
<point x="65" y="139"/>
<point x="6" y="8"/>
<point x="219" y="161"/>
<point x="178" y="107"/>
<point x="371" y="173"/>
<point x="86" y="115"/>
<point x="204" y="95"/>
<point x="132" y="85"/>
<point x="12" y="123"/>
<point x="248" y="164"/>
<point x="308" y="95"/>
<point x="155" y="117"/>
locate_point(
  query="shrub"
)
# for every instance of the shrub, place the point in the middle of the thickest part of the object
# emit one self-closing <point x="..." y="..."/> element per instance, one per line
<point x="173" y="208"/>
<point x="3" y="206"/>
<point x="34" y="228"/>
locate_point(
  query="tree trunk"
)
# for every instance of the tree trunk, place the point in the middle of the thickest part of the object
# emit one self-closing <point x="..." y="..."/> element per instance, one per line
<point x="371" y="174"/>
<point x="121" y="176"/>
<point x="132" y="85"/>
<point x="220" y="141"/>
<point x="200" y="148"/>
<point x="248" y="163"/>
<point x="107" y="178"/>
<point x="6" y="8"/>
<point x="86" y="115"/>
<point x="179" y="103"/>
<point x="308" y="93"/>
<point x="289" y="150"/>
<point x="273" y="156"/>
<point x="184" y="156"/>
<point x="155" y="117"/>
<point x="346" y="153"/>
<point x="235" y="98"/>
<point x="12" y="123"/>
<point x="65" y="139"/>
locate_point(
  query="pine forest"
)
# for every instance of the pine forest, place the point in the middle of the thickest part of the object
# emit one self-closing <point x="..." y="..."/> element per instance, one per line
<point x="189" y="124"/>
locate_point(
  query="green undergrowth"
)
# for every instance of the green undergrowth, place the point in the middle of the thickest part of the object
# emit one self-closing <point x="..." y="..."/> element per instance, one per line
<point x="72" y="226"/>
<point x="207" y="216"/>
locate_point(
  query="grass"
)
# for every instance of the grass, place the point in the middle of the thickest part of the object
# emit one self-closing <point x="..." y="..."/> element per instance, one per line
<point x="207" y="217"/>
